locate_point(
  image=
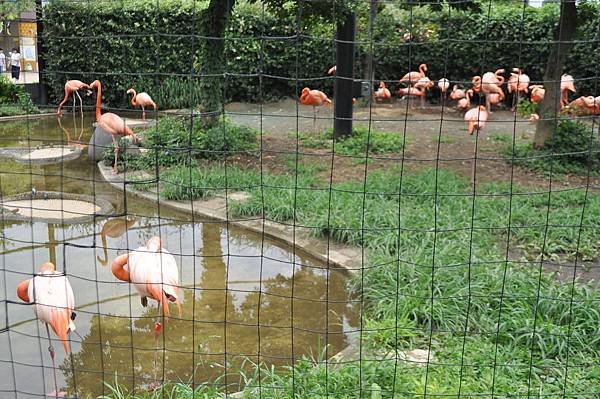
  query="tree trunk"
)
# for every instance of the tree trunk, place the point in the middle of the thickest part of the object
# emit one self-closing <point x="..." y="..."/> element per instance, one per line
<point x="213" y="23"/>
<point x="550" y="107"/>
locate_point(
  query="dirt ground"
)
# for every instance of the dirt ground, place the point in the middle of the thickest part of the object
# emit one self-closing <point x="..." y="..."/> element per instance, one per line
<point x="280" y="121"/>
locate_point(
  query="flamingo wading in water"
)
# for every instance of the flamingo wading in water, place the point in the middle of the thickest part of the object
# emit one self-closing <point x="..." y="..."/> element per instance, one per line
<point x="72" y="88"/>
<point x="153" y="272"/>
<point x="53" y="303"/>
<point x="111" y="123"/>
<point x="314" y="98"/>
<point x="113" y="228"/>
<point x="142" y="99"/>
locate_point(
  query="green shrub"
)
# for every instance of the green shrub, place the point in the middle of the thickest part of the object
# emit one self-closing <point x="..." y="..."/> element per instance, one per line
<point x="525" y="108"/>
<point x="14" y="100"/>
<point x="573" y="148"/>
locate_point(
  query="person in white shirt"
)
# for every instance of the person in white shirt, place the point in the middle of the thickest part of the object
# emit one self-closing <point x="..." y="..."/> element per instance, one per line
<point x="15" y="64"/>
<point x="2" y="61"/>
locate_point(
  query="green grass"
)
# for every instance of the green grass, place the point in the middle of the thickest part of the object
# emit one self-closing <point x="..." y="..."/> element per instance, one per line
<point x="504" y="138"/>
<point x="443" y="139"/>
<point x="490" y="323"/>
<point x="378" y="142"/>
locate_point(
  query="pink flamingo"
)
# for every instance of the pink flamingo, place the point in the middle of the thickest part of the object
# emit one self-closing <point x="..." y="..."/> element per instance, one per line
<point x="411" y="91"/>
<point x="476" y="84"/>
<point x="567" y="84"/>
<point x="111" y="123"/>
<point x="414" y="76"/>
<point x="332" y="70"/>
<point x="142" y="99"/>
<point x="443" y="85"/>
<point x="154" y="274"/>
<point x="53" y="303"/>
<point x="465" y="102"/>
<point x="383" y="93"/>
<point x="490" y="84"/>
<point x="457" y="93"/>
<point x="518" y="82"/>
<point x="73" y="87"/>
<point x="537" y="93"/>
<point x="314" y="98"/>
<point x="476" y="119"/>
<point x="424" y="84"/>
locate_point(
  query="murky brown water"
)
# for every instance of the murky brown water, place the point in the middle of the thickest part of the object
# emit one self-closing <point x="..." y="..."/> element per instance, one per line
<point x="233" y="283"/>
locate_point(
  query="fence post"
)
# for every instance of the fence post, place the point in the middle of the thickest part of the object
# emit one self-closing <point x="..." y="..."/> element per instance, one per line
<point x="344" y="78"/>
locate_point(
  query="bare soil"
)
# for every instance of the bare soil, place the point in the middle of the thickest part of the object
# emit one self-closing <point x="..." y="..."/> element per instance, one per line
<point x="435" y="137"/>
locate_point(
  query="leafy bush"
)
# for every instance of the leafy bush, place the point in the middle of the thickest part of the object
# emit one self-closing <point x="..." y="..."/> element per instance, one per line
<point x="78" y="34"/>
<point x="14" y="100"/>
<point x="525" y="108"/>
<point x="573" y="148"/>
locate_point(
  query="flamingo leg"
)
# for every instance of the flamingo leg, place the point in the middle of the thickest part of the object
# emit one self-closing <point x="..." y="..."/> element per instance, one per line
<point x="116" y="145"/>
<point x="80" y="103"/>
<point x="51" y="351"/>
<point x="143" y="113"/>
<point x="487" y="103"/>
<point x="314" y="119"/>
<point x="74" y="106"/>
<point x="423" y="101"/>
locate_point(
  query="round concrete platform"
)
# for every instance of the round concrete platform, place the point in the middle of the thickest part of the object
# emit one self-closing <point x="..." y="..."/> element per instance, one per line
<point x="53" y="207"/>
<point x="42" y="155"/>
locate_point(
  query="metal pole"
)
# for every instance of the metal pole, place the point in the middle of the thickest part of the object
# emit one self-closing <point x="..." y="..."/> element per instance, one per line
<point x="344" y="78"/>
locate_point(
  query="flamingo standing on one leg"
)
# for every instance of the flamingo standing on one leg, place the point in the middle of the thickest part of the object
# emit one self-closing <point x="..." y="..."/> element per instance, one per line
<point x="153" y="272"/>
<point x="314" y="98"/>
<point x="476" y="119"/>
<point x="476" y="84"/>
<point x="111" y="123"/>
<point x="443" y="85"/>
<point x="567" y="84"/>
<point x="53" y="302"/>
<point x="73" y="87"/>
<point x="142" y="99"/>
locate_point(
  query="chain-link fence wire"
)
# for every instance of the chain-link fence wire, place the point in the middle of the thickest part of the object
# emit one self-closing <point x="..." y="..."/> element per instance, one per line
<point x="410" y="259"/>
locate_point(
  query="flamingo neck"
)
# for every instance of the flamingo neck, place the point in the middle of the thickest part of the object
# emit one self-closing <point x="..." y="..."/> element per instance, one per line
<point x="99" y="102"/>
<point x="134" y="98"/>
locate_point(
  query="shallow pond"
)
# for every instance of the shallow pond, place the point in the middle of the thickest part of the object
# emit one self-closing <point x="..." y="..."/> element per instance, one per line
<point x="243" y="297"/>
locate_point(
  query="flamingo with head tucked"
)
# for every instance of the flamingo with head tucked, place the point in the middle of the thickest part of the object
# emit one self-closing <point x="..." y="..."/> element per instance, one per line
<point x="476" y="119"/>
<point x="72" y="87"/>
<point x="537" y="93"/>
<point x="153" y="272"/>
<point x="111" y="123"/>
<point x="53" y="303"/>
<point x="476" y="84"/>
<point x="443" y="85"/>
<point x="457" y="93"/>
<point x="142" y="99"/>
<point x="567" y="84"/>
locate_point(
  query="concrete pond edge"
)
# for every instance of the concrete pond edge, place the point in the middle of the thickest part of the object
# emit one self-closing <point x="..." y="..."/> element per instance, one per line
<point x="330" y="253"/>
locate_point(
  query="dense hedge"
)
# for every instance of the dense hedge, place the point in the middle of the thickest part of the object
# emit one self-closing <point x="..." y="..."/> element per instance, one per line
<point x="150" y="47"/>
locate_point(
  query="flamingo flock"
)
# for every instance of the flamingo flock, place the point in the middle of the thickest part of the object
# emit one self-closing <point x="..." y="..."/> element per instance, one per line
<point x="151" y="269"/>
<point x="490" y="85"/>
